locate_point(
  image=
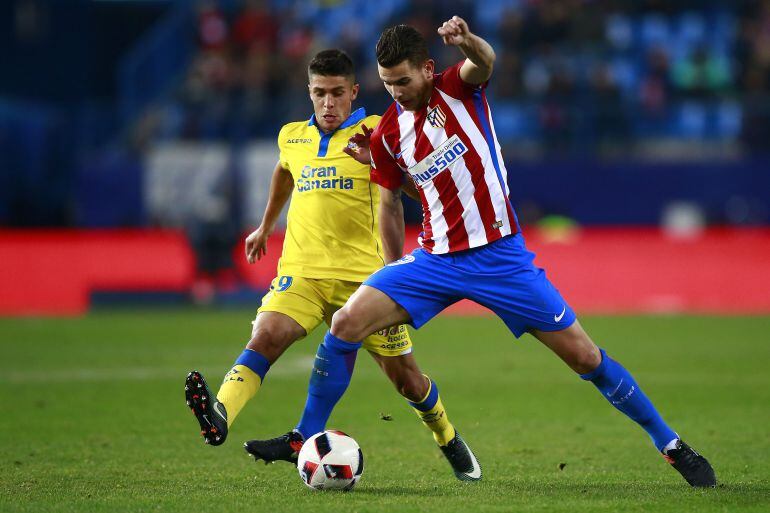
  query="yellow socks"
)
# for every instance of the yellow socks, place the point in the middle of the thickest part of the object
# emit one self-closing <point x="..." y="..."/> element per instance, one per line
<point x="242" y="382"/>
<point x="432" y="413"/>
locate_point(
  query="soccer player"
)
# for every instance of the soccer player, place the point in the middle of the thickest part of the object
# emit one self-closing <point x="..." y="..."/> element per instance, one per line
<point x="439" y="133"/>
<point x="332" y="244"/>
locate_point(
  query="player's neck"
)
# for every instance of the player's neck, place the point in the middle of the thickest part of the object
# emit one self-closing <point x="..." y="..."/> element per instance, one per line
<point x="425" y="100"/>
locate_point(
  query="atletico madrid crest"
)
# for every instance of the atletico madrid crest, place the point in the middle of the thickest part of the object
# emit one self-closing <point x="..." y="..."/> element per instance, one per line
<point x="436" y="117"/>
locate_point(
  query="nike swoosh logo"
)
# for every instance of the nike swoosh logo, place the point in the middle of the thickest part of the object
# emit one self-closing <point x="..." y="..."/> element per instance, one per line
<point x="616" y="388"/>
<point x="398" y="155"/>
<point x="218" y="412"/>
<point x="206" y="418"/>
<point x="557" y="318"/>
<point x="476" y="473"/>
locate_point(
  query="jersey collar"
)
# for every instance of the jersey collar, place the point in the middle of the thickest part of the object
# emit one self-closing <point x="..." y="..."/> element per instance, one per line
<point x="355" y="116"/>
<point x="323" y="145"/>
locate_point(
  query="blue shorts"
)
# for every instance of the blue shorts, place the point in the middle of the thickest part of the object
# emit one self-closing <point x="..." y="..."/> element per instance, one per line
<point x="499" y="276"/>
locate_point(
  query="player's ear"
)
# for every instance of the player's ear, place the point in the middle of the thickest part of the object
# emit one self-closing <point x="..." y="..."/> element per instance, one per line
<point x="354" y="91"/>
<point x="428" y="68"/>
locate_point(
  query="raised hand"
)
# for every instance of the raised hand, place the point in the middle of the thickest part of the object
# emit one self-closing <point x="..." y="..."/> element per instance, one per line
<point x="358" y="146"/>
<point x="454" y="31"/>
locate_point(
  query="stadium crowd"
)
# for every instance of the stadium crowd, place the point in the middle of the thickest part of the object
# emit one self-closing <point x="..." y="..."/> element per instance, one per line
<point x="571" y="74"/>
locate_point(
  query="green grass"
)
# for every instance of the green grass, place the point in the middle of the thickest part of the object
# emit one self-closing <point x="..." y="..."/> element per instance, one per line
<point x="94" y="418"/>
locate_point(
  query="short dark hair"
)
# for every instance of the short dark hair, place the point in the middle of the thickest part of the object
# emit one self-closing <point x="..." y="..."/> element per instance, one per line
<point x="331" y="63"/>
<point x="400" y="43"/>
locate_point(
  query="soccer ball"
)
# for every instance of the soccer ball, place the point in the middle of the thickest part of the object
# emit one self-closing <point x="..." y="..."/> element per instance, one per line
<point x="330" y="460"/>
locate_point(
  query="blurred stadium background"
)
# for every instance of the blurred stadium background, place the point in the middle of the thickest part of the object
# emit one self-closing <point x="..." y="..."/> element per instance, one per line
<point x="137" y="140"/>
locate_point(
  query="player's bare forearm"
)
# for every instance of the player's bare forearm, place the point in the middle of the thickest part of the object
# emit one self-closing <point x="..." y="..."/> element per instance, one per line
<point x="480" y="60"/>
<point x="391" y="224"/>
<point x="281" y="186"/>
<point x="480" y="57"/>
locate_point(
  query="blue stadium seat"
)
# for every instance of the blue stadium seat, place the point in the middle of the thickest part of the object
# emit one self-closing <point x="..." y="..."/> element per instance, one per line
<point x="690" y="121"/>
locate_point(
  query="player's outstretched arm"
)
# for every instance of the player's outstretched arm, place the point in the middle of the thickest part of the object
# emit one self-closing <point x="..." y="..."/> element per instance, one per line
<point x="281" y="186"/>
<point x="477" y="68"/>
<point x="391" y="224"/>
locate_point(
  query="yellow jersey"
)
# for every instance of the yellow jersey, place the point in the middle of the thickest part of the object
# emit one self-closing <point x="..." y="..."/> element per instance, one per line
<point x="331" y="228"/>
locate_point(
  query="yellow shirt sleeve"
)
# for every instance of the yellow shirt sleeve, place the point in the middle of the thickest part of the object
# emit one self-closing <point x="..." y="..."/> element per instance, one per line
<point x="282" y="156"/>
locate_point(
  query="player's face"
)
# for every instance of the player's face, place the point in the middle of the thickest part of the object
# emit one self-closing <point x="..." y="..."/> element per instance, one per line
<point x="332" y="98"/>
<point x="408" y="84"/>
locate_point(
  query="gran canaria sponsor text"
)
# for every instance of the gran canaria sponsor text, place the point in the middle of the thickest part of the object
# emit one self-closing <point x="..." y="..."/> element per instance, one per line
<point x="324" y="177"/>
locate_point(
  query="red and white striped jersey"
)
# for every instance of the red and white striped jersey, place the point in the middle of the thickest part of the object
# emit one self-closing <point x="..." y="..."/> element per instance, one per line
<point x="450" y="151"/>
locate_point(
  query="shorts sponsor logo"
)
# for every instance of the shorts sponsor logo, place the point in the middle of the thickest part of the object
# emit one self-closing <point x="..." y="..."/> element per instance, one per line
<point x="406" y="259"/>
<point x="441" y="158"/>
<point x="397" y="337"/>
<point x="394" y="345"/>
<point x="392" y="331"/>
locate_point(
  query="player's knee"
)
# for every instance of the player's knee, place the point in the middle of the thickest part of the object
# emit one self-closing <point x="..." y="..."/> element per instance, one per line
<point x="413" y="387"/>
<point x="347" y="326"/>
<point x="270" y="340"/>
<point x="587" y="359"/>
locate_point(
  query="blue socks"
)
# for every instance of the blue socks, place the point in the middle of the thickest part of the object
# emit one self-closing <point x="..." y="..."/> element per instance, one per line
<point x="329" y="379"/>
<point x="336" y="359"/>
<point x="618" y="386"/>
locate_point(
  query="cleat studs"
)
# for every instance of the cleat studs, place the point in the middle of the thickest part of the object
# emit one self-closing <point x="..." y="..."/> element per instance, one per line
<point x="186" y="388"/>
<point x="200" y="385"/>
<point x="214" y="430"/>
<point x="188" y="403"/>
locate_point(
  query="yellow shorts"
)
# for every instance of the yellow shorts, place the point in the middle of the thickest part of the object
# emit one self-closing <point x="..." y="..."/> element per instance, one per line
<point x="309" y="302"/>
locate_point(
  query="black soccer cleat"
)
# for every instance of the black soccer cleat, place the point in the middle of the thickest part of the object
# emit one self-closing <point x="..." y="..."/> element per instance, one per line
<point x="695" y="469"/>
<point x="211" y="414"/>
<point x="464" y="463"/>
<point x="283" y="448"/>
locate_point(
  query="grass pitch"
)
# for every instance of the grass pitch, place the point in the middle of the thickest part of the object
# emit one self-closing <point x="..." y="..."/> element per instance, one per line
<point x="94" y="418"/>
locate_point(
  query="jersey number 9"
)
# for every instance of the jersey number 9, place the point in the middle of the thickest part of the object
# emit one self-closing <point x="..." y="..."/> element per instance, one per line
<point x="284" y="282"/>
